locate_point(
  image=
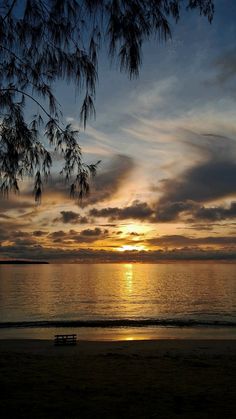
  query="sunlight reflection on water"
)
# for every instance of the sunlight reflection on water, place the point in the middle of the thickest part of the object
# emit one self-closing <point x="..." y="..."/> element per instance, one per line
<point x="118" y="291"/>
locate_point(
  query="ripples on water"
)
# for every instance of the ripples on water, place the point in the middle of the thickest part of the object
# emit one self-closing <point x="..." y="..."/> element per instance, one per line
<point x="186" y="291"/>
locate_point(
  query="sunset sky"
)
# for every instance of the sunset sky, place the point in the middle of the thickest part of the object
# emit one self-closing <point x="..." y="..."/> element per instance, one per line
<point x="166" y="185"/>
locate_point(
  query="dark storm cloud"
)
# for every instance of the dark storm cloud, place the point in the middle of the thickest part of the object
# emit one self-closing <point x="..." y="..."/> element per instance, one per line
<point x="216" y="213"/>
<point x="8" y="233"/>
<point x="24" y="241"/>
<point x="213" y="177"/>
<point x="39" y="233"/>
<point x="138" y="210"/>
<point x="205" y="182"/>
<point x="84" y="236"/>
<point x="71" y="217"/>
<point x="28" y="240"/>
<point x="57" y="235"/>
<point x="21" y="234"/>
<point x="108" y="181"/>
<point x="167" y="212"/>
<point x="17" y="237"/>
<point x="170" y="211"/>
<point x="183" y="241"/>
<point x="194" y="212"/>
<point x="15" y="202"/>
<point x="93" y="233"/>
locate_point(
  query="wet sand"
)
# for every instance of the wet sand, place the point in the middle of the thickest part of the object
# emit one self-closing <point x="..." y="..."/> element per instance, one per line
<point x="123" y="379"/>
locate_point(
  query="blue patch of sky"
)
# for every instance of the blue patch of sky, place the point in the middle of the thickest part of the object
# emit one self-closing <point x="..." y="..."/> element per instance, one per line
<point x="188" y="59"/>
<point x="177" y="79"/>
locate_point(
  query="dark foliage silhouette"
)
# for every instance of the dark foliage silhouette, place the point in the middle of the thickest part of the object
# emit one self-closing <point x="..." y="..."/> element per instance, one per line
<point x="42" y="42"/>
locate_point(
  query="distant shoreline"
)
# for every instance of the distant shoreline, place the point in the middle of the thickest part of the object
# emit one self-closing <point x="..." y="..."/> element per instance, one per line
<point x="22" y="262"/>
<point x="119" y="262"/>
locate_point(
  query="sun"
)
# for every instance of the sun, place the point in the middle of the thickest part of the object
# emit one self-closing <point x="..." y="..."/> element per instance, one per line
<point x="130" y="247"/>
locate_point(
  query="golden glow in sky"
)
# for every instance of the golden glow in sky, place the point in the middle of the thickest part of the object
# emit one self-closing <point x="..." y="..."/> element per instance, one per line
<point x="130" y="247"/>
<point x="166" y="184"/>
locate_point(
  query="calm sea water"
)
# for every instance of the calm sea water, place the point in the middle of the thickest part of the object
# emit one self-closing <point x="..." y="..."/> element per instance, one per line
<point x="127" y="295"/>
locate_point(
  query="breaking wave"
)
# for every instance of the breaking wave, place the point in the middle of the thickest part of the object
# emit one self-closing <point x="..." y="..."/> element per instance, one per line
<point x="118" y="323"/>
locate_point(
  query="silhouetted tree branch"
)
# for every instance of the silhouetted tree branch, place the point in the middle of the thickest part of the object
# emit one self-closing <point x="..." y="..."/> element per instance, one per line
<point x="42" y="42"/>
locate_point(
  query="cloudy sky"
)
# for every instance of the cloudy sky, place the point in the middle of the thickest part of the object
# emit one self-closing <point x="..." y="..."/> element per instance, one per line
<point x="166" y="185"/>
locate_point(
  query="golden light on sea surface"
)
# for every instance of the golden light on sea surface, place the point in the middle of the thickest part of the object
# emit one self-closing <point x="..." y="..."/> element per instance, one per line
<point x="128" y="277"/>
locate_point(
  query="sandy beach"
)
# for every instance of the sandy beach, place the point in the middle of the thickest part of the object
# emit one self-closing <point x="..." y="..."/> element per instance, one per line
<point x="123" y="379"/>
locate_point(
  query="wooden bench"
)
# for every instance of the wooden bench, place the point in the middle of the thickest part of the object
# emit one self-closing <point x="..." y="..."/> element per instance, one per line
<point x="65" y="340"/>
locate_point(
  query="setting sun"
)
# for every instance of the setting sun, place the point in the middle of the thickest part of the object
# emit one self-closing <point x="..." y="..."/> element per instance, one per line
<point x="130" y="247"/>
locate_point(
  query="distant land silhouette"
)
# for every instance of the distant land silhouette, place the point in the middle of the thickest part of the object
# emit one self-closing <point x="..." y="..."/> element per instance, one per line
<point x="22" y="262"/>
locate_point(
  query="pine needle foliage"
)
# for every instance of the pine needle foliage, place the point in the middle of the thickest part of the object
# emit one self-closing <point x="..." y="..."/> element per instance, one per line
<point x="45" y="41"/>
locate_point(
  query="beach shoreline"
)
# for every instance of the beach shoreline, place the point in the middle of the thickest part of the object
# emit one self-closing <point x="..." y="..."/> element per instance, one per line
<point x="123" y="333"/>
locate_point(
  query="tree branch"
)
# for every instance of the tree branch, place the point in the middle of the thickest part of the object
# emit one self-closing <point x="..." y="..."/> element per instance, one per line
<point x="13" y="89"/>
<point x="10" y="10"/>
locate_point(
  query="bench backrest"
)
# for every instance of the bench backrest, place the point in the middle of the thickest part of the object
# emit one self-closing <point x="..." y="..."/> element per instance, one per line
<point x="65" y="339"/>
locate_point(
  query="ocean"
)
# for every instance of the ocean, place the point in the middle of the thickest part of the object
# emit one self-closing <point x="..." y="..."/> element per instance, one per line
<point x="119" y="301"/>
